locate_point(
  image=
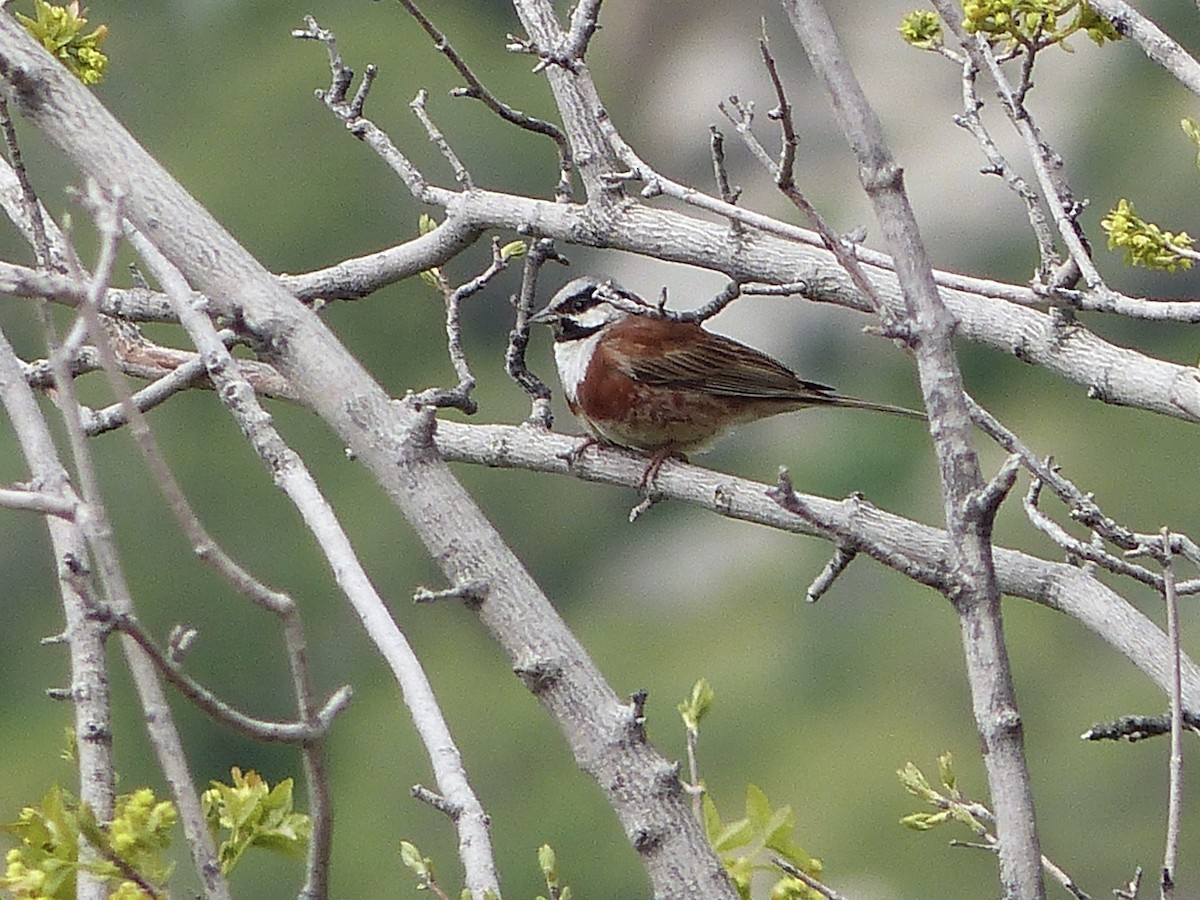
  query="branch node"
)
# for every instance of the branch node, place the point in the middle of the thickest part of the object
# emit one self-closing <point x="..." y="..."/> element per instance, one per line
<point x="472" y="592"/>
<point x="180" y="642"/>
<point x="538" y="674"/>
<point x="437" y="801"/>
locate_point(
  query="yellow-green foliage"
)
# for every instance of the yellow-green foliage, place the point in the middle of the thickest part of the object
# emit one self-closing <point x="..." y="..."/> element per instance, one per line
<point x="951" y="805"/>
<point x="748" y="845"/>
<point x="1029" y="23"/>
<point x="61" y="31"/>
<point x="253" y="814"/>
<point x="1040" y="21"/>
<point x="1144" y="243"/>
<point x="922" y="28"/>
<point x="754" y="842"/>
<point x="45" y="865"/>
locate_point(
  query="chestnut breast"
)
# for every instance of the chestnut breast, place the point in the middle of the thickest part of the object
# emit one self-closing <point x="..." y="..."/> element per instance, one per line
<point x="654" y="383"/>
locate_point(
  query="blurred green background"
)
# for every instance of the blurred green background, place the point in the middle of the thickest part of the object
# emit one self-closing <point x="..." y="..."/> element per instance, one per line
<point x="818" y="705"/>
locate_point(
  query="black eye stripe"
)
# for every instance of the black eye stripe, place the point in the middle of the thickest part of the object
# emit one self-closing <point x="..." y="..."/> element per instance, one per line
<point x="579" y="302"/>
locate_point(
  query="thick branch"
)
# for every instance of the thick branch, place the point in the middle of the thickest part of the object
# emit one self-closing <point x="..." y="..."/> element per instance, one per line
<point x="393" y="442"/>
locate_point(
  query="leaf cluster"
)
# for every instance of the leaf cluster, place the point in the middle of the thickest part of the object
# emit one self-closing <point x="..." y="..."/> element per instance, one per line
<point x="1037" y="23"/>
<point x="1032" y="24"/>
<point x="61" y="30"/>
<point x="253" y="814"/>
<point x="746" y="846"/>
<point x="1144" y="243"/>
<point x="951" y="805"/>
<point x="46" y="864"/>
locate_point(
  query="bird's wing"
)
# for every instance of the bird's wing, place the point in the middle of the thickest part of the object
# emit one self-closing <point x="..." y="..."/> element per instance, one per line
<point x="700" y="360"/>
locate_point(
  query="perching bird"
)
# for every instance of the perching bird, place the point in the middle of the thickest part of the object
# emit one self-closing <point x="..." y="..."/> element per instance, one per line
<point x="641" y="380"/>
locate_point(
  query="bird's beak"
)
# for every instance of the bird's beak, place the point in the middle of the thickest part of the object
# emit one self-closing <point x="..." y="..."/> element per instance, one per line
<point x="545" y="316"/>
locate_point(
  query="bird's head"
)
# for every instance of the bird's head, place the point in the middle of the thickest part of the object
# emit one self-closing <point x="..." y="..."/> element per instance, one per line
<point x="587" y="305"/>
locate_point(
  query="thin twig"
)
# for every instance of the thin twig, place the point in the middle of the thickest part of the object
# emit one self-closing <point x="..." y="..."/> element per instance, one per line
<point x="1138" y="728"/>
<point x="459" y="396"/>
<point x="298" y="733"/>
<point x="349" y="112"/>
<point x="1175" y="766"/>
<point x="723" y="298"/>
<point x="539" y="253"/>
<point x="476" y="90"/>
<point x="741" y="114"/>
<point x="160" y="725"/>
<point x="33" y="208"/>
<point x="1083" y="550"/>
<point x="583" y="27"/>
<point x="469" y="592"/>
<point x="800" y="875"/>
<point x="461" y="175"/>
<point x="34" y="500"/>
<point x="838" y="563"/>
<point x="716" y="145"/>
<point x="1063" y="208"/>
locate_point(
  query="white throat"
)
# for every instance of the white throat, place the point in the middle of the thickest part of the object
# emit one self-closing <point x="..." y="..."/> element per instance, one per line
<point x="572" y="358"/>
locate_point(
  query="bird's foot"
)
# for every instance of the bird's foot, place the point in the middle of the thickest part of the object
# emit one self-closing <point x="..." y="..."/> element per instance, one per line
<point x="573" y="455"/>
<point x="646" y="486"/>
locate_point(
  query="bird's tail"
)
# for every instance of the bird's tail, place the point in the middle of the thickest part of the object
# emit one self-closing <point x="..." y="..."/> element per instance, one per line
<point x="855" y="403"/>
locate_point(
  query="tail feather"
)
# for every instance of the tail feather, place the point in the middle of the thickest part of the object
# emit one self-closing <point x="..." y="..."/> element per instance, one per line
<point x="855" y="403"/>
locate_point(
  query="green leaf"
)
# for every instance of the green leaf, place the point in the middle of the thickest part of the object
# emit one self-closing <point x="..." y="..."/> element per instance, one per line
<point x="425" y="224"/>
<point x="758" y="807"/>
<point x="946" y="769"/>
<point x="1192" y="130"/>
<point x="513" y="250"/>
<point x="1144" y="243"/>
<point x="697" y="705"/>
<point x="735" y="834"/>
<point x="548" y="862"/>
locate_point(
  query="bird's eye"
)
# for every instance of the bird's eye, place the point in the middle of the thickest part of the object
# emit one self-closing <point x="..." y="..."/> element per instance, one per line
<point x="578" y="304"/>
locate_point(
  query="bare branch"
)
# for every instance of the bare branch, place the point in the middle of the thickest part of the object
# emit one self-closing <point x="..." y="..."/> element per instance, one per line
<point x="461" y="175"/>
<point x="1155" y="43"/>
<point x="294" y="477"/>
<point x="38" y="501"/>
<point x="537" y="255"/>
<point x="1175" y="765"/>
<point x="350" y="112"/>
<point x="476" y="89"/>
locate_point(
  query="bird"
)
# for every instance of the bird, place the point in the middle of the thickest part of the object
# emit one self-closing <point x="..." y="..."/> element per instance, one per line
<point x="640" y="379"/>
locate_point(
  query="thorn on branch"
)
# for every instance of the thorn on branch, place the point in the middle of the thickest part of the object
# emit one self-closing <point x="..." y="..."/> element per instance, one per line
<point x="730" y="195"/>
<point x="1130" y="891"/>
<point x="637" y="701"/>
<point x="364" y="88"/>
<point x="180" y="642"/>
<point x="644" y="505"/>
